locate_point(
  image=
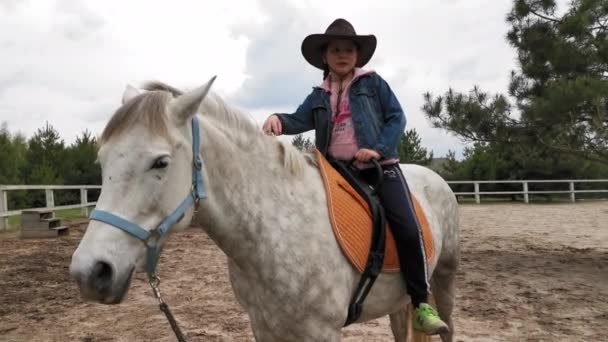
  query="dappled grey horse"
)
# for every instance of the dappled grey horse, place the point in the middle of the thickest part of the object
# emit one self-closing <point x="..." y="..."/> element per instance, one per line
<point x="260" y="200"/>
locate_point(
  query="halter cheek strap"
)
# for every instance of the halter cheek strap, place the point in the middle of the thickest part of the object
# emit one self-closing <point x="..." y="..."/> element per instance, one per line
<point x="151" y="238"/>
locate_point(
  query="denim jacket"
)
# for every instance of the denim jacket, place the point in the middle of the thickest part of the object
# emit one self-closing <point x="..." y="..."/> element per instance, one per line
<point x="377" y="116"/>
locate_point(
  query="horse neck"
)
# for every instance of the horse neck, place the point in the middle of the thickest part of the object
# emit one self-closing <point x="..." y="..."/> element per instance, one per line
<point x="244" y="183"/>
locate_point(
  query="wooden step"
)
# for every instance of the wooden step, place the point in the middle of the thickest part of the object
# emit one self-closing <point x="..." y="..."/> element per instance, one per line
<point x="29" y="216"/>
<point x="47" y="215"/>
<point x="61" y="230"/>
<point x="51" y="222"/>
<point x="40" y="213"/>
<point x="44" y="233"/>
<point x="41" y="224"/>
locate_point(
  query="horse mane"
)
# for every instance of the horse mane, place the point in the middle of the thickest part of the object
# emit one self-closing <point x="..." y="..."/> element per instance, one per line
<point x="148" y="108"/>
<point x="241" y="128"/>
<point x="157" y="85"/>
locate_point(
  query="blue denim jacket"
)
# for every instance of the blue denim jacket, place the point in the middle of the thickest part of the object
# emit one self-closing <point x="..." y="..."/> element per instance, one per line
<point x="377" y="116"/>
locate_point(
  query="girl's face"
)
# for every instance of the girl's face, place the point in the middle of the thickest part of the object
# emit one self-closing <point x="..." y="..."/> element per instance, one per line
<point x="341" y="56"/>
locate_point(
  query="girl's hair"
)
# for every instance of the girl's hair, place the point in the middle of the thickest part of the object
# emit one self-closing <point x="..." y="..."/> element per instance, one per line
<point x="325" y="71"/>
<point x="325" y="65"/>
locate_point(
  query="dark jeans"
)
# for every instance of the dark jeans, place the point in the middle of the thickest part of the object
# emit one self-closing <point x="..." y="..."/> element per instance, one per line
<point x="399" y="209"/>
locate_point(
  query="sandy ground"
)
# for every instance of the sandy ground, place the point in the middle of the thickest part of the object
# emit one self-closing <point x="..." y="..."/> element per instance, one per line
<point x="528" y="273"/>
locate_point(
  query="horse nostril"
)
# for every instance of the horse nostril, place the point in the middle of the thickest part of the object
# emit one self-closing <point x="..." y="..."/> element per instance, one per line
<point x="102" y="276"/>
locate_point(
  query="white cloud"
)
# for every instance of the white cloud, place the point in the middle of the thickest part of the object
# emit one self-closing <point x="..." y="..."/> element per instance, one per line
<point x="422" y="46"/>
<point x="67" y="61"/>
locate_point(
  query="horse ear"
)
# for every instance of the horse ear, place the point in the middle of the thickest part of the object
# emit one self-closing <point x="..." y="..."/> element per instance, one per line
<point x="184" y="107"/>
<point x="129" y="94"/>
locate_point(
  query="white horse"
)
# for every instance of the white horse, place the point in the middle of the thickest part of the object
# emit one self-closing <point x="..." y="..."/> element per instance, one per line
<point x="265" y="207"/>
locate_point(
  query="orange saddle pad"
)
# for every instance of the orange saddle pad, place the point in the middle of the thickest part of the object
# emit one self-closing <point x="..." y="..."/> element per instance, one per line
<point x="352" y="222"/>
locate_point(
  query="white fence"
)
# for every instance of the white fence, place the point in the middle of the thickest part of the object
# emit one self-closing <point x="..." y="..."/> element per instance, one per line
<point x="85" y="204"/>
<point x="50" y="199"/>
<point x="572" y="191"/>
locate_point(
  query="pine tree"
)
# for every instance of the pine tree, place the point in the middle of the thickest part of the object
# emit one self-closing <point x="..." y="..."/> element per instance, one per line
<point x="560" y="89"/>
<point x="81" y="166"/>
<point x="302" y="144"/>
<point x="411" y="151"/>
<point x="12" y="155"/>
<point x="45" y="156"/>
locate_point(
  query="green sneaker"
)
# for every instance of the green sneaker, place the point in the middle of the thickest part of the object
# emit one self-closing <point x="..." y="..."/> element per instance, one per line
<point x="427" y="320"/>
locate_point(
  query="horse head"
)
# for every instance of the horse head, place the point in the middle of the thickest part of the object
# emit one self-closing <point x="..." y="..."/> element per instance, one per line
<point x="151" y="177"/>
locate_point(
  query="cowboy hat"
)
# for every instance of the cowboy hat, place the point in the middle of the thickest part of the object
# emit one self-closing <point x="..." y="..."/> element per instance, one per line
<point x="313" y="45"/>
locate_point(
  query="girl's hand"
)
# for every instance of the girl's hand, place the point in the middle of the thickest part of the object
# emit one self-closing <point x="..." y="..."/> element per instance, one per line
<point x="364" y="155"/>
<point x="272" y="126"/>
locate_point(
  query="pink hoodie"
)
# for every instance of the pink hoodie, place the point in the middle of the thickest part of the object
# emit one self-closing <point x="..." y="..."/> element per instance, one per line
<point x="343" y="144"/>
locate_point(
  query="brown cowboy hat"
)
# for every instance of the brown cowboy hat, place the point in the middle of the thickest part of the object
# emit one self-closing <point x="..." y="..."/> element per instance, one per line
<point x="313" y="45"/>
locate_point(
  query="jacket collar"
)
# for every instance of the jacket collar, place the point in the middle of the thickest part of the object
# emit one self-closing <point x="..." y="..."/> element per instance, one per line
<point x="358" y="74"/>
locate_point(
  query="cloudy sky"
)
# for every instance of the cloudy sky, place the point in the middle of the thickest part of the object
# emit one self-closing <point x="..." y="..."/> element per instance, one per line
<point x="66" y="62"/>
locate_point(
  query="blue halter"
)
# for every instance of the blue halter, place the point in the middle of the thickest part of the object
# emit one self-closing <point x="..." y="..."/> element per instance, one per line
<point x="151" y="238"/>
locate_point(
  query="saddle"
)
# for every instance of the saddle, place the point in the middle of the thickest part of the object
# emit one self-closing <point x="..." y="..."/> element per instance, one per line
<point x="357" y="220"/>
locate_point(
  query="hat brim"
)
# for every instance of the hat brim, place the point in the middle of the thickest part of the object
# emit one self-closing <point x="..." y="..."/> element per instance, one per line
<point x="312" y="48"/>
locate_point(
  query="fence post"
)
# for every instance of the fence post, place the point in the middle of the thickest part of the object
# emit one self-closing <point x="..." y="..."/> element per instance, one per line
<point x="526" y="196"/>
<point x="477" y="197"/>
<point x="3" y="209"/>
<point x="572" y="194"/>
<point x="84" y="211"/>
<point x="50" y="198"/>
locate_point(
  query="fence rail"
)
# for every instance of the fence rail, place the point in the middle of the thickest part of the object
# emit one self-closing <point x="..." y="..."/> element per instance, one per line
<point x="49" y="197"/>
<point x="526" y="192"/>
<point x="477" y="193"/>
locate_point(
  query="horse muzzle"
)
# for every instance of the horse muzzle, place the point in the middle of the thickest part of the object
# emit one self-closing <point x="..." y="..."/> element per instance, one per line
<point x="99" y="282"/>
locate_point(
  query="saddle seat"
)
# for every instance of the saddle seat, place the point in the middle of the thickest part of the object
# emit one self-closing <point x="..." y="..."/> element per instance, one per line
<point x="351" y="221"/>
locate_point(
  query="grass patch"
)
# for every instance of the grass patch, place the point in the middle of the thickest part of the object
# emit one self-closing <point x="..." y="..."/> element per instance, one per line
<point x="69" y="214"/>
<point x="13" y="221"/>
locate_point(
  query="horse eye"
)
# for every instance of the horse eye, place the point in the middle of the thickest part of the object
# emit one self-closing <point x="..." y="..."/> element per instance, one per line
<point x="160" y="163"/>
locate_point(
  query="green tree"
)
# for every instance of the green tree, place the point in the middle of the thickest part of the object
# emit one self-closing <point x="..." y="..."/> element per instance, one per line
<point x="302" y="144"/>
<point x="560" y="92"/>
<point x="81" y="166"/>
<point x="12" y="155"/>
<point x="13" y="149"/>
<point x="411" y="151"/>
<point x="448" y="167"/>
<point x="45" y="157"/>
<point x="479" y="163"/>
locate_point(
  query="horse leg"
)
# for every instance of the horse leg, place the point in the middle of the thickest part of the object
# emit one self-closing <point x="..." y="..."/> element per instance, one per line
<point x="242" y="292"/>
<point x="261" y="331"/>
<point x="399" y="325"/>
<point x="443" y="285"/>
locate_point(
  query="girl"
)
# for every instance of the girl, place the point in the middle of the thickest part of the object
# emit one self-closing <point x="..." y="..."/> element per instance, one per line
<point x="356" y="115"/>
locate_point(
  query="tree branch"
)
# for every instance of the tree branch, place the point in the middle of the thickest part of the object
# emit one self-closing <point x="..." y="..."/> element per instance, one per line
<point x="467" y="134"/>
<point x="545" y="17"/>
<point x="598" y="17"/>
<point x="574" y="152"/>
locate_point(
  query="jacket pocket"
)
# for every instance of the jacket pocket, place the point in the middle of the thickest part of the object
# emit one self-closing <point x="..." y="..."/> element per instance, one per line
<point x="365" y="91"/>
<point x="369" y="103"/>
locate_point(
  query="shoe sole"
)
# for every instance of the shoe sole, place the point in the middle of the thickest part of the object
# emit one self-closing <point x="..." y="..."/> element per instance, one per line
<point x="439" y="331"/>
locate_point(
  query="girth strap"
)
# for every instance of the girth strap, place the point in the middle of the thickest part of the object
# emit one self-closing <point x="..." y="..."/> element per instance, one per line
<point x="375" y="259"/>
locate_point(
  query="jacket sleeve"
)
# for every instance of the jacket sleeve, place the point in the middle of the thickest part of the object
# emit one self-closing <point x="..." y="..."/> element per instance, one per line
<point x="300" y="121"/>
<point x="394" y="119"/>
